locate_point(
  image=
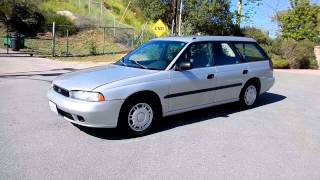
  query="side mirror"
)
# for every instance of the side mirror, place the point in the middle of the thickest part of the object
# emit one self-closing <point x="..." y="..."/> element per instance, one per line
<point x="182" y="66"/>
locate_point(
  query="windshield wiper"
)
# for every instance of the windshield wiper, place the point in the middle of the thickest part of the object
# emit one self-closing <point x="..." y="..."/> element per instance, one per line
<point x="136" y="62"/>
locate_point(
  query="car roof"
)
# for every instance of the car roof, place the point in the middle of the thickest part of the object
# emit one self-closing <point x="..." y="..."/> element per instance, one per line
<point x="189" y="39"/>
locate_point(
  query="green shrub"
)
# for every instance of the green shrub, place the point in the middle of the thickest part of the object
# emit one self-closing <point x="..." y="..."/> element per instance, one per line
<point x="300" y="54"/>
<point x="280" y="63"/>
<point x="91" y="46"/>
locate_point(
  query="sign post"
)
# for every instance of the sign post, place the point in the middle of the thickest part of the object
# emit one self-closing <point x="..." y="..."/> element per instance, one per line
<point x="159" y="28"/>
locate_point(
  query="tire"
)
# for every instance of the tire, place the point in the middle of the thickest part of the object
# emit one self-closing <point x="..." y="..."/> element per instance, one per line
<point x="249" y="95"/>
<point x="137" y="116"/>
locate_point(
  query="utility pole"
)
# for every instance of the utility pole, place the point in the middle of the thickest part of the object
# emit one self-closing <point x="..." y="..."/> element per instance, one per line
<point x="239" y="12"/>
<point x="180" y="19"/>
<point x="173" y="25"/>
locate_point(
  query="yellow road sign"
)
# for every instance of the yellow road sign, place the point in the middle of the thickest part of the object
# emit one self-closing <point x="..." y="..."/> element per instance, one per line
<point x="159" y="28"/>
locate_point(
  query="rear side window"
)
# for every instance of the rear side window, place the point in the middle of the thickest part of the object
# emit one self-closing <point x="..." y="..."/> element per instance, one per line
<point x="250" y="51"/>
<point x="224" y="54"/>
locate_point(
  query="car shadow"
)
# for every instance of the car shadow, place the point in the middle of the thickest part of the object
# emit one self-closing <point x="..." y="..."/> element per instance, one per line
<point x="31" y="75"/>
<point x="183" y="119"/>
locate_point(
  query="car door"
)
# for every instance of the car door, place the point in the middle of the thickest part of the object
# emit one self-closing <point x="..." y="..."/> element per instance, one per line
<point x="191" y="88"/>
<point x="230" y="73"/>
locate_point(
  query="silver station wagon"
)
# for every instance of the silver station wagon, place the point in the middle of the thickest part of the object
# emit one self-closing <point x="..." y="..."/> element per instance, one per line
<point x="162" y="77"/>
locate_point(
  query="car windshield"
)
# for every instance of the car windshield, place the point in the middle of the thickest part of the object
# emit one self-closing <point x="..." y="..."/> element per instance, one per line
<point x="156" y="55"/>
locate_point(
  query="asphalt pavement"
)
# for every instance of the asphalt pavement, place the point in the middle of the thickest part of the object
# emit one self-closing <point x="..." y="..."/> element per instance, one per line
<point x="278" y="139"/>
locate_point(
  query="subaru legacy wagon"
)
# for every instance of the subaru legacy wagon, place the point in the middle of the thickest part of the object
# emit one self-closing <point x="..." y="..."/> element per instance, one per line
<point x="162" y="77"/>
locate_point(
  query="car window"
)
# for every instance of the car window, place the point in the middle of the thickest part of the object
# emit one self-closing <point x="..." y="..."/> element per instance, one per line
<point x="152" y="55"/>
<point x="199" y="54"/>
<point x="224" y="55"/>
<point x="250" y="51"/>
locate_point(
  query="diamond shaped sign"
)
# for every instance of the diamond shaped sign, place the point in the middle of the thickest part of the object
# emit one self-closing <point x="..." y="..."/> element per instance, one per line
<point x="159" y="28"/>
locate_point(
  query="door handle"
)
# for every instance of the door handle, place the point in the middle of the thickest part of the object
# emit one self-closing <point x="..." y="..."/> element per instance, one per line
<point x="210" y="76"/>
<point x="245" y="71"/>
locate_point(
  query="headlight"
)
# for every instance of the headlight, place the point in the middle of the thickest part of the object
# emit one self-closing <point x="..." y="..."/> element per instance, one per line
<point x="87" y="96"/>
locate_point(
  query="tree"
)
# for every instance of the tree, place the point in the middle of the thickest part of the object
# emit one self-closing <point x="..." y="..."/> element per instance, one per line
<point x="241" y="4"/>
<point x="301" y="21"/>
<point x="209" y="17"/>
<point x="22" y="16"/>
<point x="153" y="10"/>
<point x="206" y="17"/>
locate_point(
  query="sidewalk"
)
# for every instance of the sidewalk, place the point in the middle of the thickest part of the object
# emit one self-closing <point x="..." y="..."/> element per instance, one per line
<point x="300" y="71"/>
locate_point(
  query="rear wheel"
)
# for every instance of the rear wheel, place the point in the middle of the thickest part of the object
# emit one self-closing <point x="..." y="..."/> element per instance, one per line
<point x="138" y="116"/>
<point x="249" y="95"/>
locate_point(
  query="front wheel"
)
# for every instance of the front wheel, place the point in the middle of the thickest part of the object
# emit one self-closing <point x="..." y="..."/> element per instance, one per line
<point x="249" y="95"/>
<point x="137" y="117"/>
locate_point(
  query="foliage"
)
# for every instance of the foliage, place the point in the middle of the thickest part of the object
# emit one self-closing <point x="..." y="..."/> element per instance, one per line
<point x="91" y="46"/>
<point x="257" y="34"/>
<point x="154" y="10"/>
<point x="204" y="17"/>
<point x="207" y="17"/>
<point x="22" y="16"/>
<point x="299" y="54"/>
<point x="301" y="21"/>
<point x="279" y="63"/>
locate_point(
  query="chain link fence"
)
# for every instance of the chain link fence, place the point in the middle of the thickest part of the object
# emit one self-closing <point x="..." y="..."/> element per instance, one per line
<point x="70" y="41"/>
<point x="84" y="41"/>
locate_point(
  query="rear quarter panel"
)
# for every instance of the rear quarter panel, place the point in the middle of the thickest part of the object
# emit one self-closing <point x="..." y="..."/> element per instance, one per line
<point x="262" y="70"/>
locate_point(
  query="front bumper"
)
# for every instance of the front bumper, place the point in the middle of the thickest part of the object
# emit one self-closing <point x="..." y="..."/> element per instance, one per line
<point x="91" y="114"/>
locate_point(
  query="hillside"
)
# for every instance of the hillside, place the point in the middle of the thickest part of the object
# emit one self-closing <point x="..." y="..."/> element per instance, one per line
<point x="95" y="14"/>
<point x="82" y="28"/>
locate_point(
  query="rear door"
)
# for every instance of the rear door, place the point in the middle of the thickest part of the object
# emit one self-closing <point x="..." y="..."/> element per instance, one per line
<point x="257" y="61"/>
<point x="231" y="72"/>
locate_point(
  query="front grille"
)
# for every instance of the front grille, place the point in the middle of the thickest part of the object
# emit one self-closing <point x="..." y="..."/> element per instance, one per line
<point x="61" y="91"/>
<point x="65" y="114"/>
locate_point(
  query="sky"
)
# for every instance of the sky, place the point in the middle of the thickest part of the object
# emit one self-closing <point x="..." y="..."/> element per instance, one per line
<point x="261" y="18"/>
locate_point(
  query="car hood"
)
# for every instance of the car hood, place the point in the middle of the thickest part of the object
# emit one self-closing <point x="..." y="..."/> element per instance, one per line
<point x="89" y="79"/>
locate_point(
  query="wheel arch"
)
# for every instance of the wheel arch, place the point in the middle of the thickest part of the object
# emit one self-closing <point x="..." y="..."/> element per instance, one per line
<point x="254" y="80"/>
<point x="144" y="94"/>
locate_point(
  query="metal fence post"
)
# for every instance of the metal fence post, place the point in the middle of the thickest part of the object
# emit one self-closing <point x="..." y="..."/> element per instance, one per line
<point x="67" y="40"/>
<point x="114" y="27"/>
<point x="104" y="38"/>
<point x="7" y="36"/>
<point x="53" y="38"/>
<point x="89" y="6"/>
